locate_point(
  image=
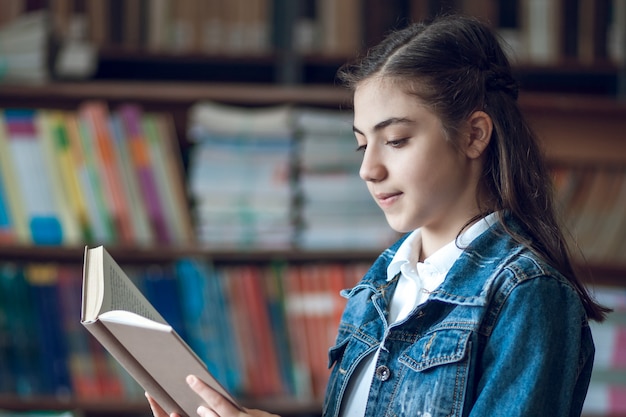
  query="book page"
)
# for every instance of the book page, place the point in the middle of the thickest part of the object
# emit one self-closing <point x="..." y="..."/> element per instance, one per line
<point x="119" y="292"/>
<point x="132" y="319"/>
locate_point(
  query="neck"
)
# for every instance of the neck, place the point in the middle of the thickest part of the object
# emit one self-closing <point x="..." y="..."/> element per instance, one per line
<point x="434" y="239"/>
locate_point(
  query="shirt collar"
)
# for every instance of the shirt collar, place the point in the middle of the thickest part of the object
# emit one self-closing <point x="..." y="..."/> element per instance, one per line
<point x="443" y="259"/>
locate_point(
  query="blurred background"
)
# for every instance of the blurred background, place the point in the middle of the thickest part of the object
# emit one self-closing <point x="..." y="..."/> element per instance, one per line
<point x="207" y="144"/>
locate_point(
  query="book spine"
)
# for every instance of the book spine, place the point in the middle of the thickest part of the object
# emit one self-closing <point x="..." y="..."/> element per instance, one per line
<point x="24" y="353"/>
<point x="14" y="195"/>
<point x="207" y="325"/>
<point x="66" y="161"/>
<point x="167" y="167"/>
<point x="7" y="232"/>
<point x="25" y="146"/>
<point x="95" y="116"/>
<point x="101" y="228"/>
<point x="142" y="229"/>
<point x="42" y="280"/>
<point x="67" y="216"/>
<point x="80" y="360"/>
<point x="131" y="117"/>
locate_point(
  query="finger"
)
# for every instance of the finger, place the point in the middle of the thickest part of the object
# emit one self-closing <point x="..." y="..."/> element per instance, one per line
<point x="206" y="412"/>
<point x="214" y="400"/>
<point x="157" y="410"/>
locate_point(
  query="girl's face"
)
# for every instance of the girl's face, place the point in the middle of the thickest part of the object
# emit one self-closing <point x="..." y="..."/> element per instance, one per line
<point x="417" y="176"/>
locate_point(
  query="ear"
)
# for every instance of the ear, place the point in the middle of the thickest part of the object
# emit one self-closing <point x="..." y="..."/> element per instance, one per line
<point x="480" y="129"/>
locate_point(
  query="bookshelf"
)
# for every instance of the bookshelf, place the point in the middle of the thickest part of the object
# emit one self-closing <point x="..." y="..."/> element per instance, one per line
<point x="564" y="123"/>
<point x="570" y="101"/>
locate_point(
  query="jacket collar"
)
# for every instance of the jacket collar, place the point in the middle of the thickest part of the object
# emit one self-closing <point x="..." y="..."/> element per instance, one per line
<point x="469" y="280"/>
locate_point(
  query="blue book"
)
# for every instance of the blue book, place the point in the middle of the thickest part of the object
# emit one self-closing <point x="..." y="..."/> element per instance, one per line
<point x="55" y="374"/>
<point x="24" y="350"/>
<point x="6" y="226"/>
<point x="205" y="313"/>
<point x="160" y="286"/>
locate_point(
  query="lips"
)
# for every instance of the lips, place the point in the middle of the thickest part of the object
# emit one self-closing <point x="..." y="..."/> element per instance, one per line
<point x="387" y="199"/>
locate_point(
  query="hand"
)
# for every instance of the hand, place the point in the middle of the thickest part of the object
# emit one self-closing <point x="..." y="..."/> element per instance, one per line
<point x="216" y="404"/>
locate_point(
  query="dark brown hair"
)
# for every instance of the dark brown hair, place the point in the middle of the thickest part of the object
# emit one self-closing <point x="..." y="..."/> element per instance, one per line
<point x="456" y="65"/>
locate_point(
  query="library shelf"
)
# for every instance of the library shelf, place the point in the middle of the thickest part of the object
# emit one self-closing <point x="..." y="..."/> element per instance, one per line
<point x="175" y="93"/>
<point x="594" y="273"/>
<point x="147" y="254"/>
<point x="105" y="407"/>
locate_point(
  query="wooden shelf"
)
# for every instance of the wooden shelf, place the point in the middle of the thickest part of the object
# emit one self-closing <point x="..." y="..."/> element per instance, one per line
<point x="184" y="92"/>
<point x="263" y="94"/>
<point x="139" y="407"/>
<point x="144" y="255"/>
<point x="612" y="274"/>
<point x="172" y="93"/>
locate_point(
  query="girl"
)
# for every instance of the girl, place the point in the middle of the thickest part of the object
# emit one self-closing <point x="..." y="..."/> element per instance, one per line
<point x="477" y="310"/>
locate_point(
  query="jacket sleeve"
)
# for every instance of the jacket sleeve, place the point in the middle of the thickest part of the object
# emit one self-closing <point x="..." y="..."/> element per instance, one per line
<point x="538" y="354"/>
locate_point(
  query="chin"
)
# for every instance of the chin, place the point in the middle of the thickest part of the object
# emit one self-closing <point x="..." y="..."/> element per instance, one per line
<point x="399" y="226"/>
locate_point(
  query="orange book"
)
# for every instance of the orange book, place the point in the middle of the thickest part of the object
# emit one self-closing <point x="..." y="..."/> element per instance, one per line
<point x="319" y="301"/>
<point x="96" y="117"/>
<point x="261" y="330"/>
<point x="245" y="344"/>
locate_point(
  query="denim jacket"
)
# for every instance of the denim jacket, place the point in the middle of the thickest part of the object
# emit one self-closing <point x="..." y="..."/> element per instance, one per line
<point x="504" y="335"/>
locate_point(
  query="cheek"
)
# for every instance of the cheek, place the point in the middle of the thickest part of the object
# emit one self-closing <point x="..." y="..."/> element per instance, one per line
<point x="419" y="174"/>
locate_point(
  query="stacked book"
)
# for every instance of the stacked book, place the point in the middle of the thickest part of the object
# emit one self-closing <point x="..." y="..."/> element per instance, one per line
<point x="23" y="49"/>
<point x="241" y="175"/>
<point x="337" y="209"/>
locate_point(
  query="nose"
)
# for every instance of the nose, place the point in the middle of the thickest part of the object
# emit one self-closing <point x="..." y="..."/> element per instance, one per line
<point x="372" y="169"/>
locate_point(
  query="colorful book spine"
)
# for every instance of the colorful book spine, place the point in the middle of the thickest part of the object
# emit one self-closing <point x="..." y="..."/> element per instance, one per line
<point x="7" y="233"/>
<point x="167" y="171"/>
<point x="16" y="215"/>
<point x="101" y="226"/>
<point x="137" y="143"/>
<point x="206" y="320"/>
<point x="142" y="229"/>
<point x="66" y="159"/>
<point x="95" y="118"/>
<point x="39" y="202"/>
<point x="70" y="222"/>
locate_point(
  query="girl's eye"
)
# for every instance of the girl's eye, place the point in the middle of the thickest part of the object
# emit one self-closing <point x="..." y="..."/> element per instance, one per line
<point x="397" y="143"/>
<point x="361" y="148"/>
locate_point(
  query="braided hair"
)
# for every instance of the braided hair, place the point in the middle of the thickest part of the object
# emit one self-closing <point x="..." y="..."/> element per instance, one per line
<point x="456" y="65"/>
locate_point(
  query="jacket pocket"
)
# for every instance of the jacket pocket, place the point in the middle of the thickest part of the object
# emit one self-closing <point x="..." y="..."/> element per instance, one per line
<point x="435" y="379"/>
<point x="439" y="347"/>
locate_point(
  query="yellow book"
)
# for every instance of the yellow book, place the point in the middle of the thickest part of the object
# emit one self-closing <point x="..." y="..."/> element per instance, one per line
<point x="63" y="154"/>
<point x="62" y="188"/>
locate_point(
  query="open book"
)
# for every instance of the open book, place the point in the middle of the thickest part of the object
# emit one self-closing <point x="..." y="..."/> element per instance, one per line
<point x="130" y="328"/>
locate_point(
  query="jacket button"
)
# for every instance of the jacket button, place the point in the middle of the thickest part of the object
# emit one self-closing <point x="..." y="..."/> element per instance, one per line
<point x="383" y="373"/>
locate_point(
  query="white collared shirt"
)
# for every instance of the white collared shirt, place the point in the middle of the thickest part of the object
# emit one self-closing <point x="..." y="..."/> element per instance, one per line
<point x="417" y="280"/>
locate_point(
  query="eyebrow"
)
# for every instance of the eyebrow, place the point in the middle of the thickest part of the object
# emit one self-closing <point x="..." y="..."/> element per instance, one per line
<point x="385" y="123"/>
